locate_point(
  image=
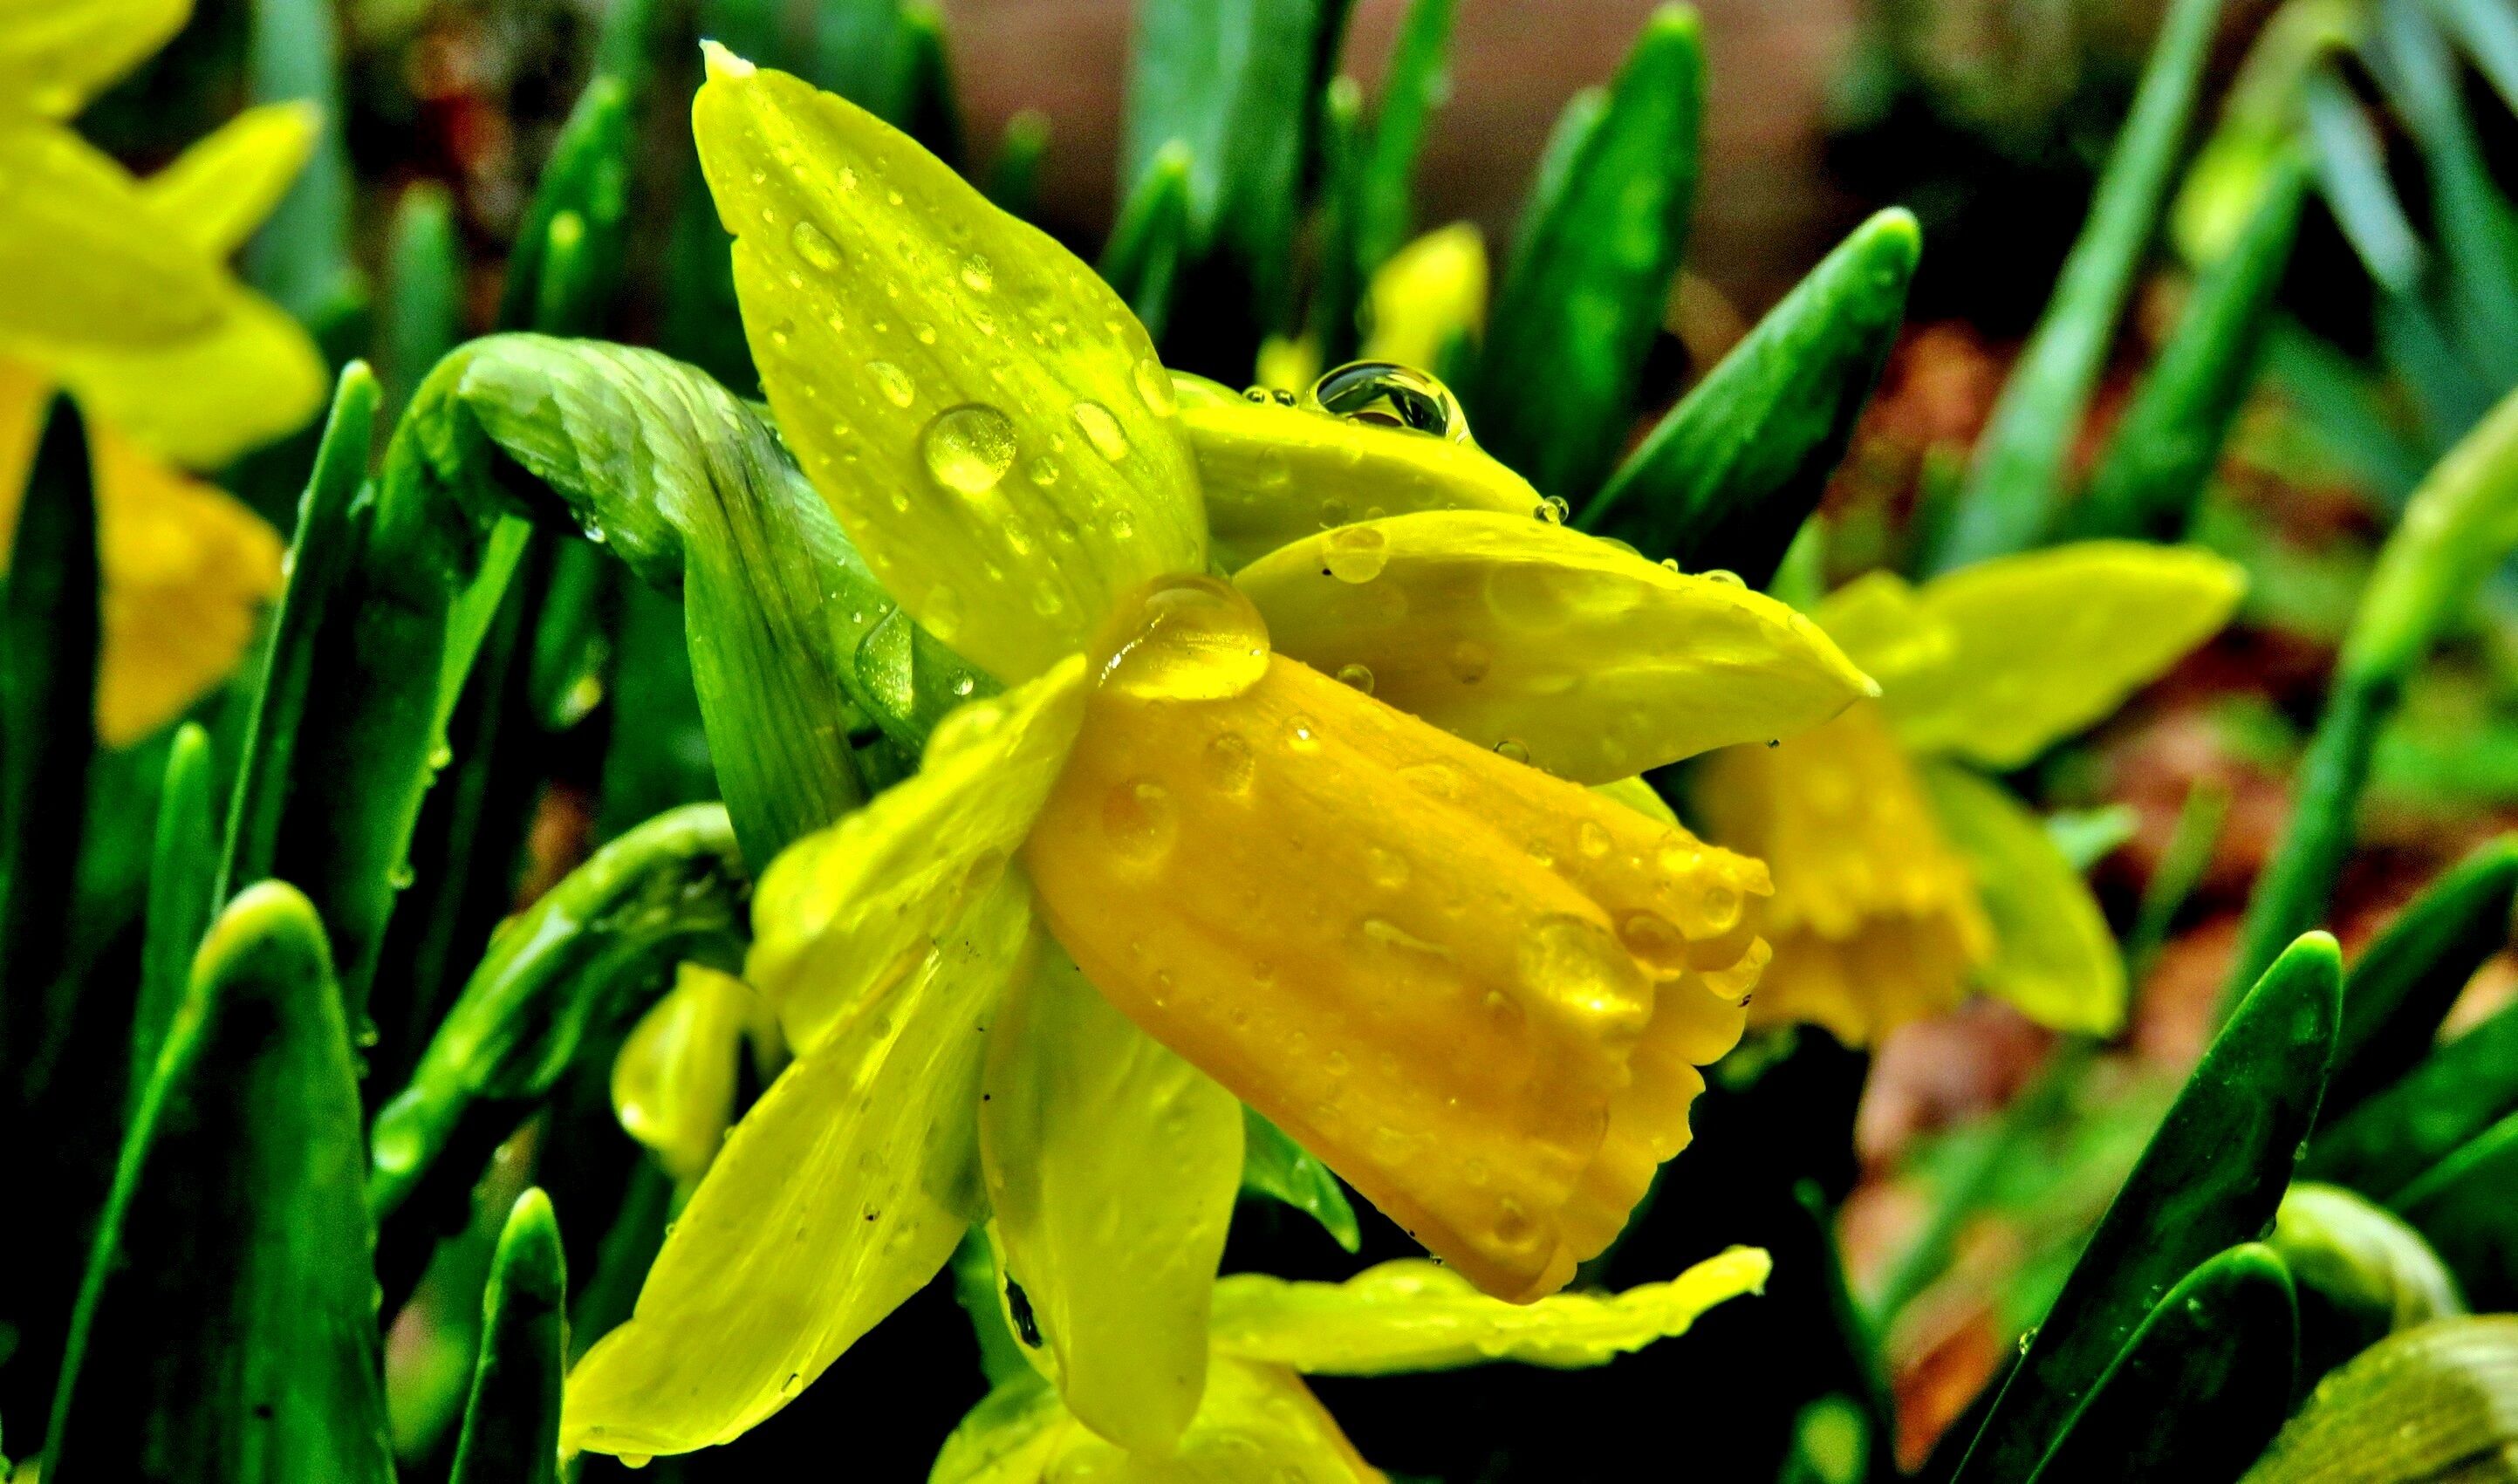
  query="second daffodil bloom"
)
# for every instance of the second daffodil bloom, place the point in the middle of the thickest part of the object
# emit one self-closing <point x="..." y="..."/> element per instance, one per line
<point x="1902" y="878"/>
<point x="118" y="293"/>
<point x="1176" y="865"/>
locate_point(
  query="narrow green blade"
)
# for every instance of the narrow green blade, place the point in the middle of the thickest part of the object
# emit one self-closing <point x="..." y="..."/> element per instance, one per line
<point x="1150" y="243"/>
<point x="512" y="1423"/>
<point x="1590" y="272"/>
<point x="182" y="872"/>
<point x="1730" y="475"/>
<point x="226" y="1332"/>
<point x="2169" y="440"/>
<point x="1412" y="89"/>
<point x="2464" y="1205"/>
<point x="2211" y="1177"/>
<point x="2015" y="486"/>
<point x="2394" y="1136"/>
<point x="2401" y="988"/>
<point x="302" y="255"/>
<point x="1276" y="1166"/>
<point x="423" y="310"/>
<point x="2198" y="1390"/>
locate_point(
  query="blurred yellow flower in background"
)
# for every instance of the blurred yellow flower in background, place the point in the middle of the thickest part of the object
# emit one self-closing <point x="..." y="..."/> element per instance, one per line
<point x="119" y="295"/>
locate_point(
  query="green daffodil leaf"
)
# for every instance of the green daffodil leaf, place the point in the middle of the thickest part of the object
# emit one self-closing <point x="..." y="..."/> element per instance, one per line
<point x="984" y="415"/>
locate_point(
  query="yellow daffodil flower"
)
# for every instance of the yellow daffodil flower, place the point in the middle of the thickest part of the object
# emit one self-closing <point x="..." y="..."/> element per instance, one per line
<point x="119" y="295"/>
<point x="1431" y="294"/>
<point x="1901" y="877"/>
<point x="1178" y="866"/>
<point x="1260" y="1423"/>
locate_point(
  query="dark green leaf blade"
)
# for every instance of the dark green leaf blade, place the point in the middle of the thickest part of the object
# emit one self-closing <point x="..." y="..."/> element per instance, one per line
<point x="2198" y="1390"/>
<point x="182" y="872"/>
<point x="1583" y="293"/>
<point x="1728" y="476"/>
<point x="2433" y="1405"/>
<point x="2211" y="1177"/>
<point x="2464" y="1205"/>
<point x="51" y="620"/>
<point x="2403" y="985"/>
<point x="1412" y="89"/>
<point x="511" y="1421"/>
<point x="2014" y="484"/>
<point x="1276" y="1166"/>
<point x="226" y="1332"/>
<point x="1150" y="242"/>
<point x="2394" y="1136"/>
<point x="2170" y="437"/>
<point x="424" y="303"/>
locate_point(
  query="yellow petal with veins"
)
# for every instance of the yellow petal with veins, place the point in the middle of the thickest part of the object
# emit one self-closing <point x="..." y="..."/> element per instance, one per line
<point x="1430" y="295"/>
<point x="55" y="55"/>
<point x="985" y="415"/>
<point x="1412" y="1314"/>
<point x="1875" y="918"/>
<point x="1998" y="661"/>
<point x="87" y="261"/>
<point x="1276" y="474"/>
<point x="1513" y="631"/>
<point x="187" y="571"/>
<point x="1477" y="992"/>
<point x="850" y="909"/>
<point x="673" y="1083"/>
<point x="221" y="187"/>
<point x="1259" y="1424"/>
<point x="2053" y="954"/>
<point x="839" y="1195"/>
<point x="1111" y="1169"/>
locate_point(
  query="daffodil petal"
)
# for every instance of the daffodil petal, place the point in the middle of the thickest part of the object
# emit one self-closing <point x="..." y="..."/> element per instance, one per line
<point x="1259" y="1424"/>
<point x="252" y="376"/>
<point x="1412" y="1314"/>
<point x="187" y="571"/>
<point x="1275" y="474"/>
<point x="1641" y="797"/>
<point x="1875" y="919"/>
<point x="1477" y="992"/>
<point x="1111" y="1170"/>
<point x="985" y="416"/>
<point x="55" y="55"/>
<point x="2034" y="647"/>
<point x="673" y="1083"/>
<point x="220" y="190"/>
<point x="87" y="260"/>
<point x="846" y="912"/>
<point x="2053" y="955"/>
<point x="1513" y="631"/>
<point x="839" y="1195"/>
<point x="26" y="392"/>
<point x="1429" y="296"/>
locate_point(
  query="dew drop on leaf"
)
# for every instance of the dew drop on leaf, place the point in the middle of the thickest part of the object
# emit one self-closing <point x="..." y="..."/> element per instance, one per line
<point x="969" y="447"/>
<point x="1102" y="429"/>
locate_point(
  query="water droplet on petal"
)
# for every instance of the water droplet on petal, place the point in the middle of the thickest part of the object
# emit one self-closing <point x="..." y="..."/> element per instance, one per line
<point x="976" y="276"/>
<point x="1230" y="765"/>
<point x="1138" y="820"/>
<point x="1726" y="577"/>
<point x="1470" y="662"/>
<point x="1592" y="839"/>
<point x="943" y="614"/>
<point x="897" y="389"/>
<point x="1387" y="868"/>
<point x="1655" y="944"/>
<point x="1102" y="429"/>
<point x="814" y="245"/>
<point x="1303" y="735"/>
<point x="792" y="1386"/>
<point x="1183" y="638"/>
<point x="1577" y="963"/>
<point x="1512" y="750"/>
<point x="1155" y="386"/>
<point x="1356" y="553"/>
<point x="969" y="447"/>
<point x="1358" y="676"/>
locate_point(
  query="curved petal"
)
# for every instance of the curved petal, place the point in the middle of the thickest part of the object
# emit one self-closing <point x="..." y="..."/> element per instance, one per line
<point x="251" y="376"/>
<point x="1413" y="1315"/>
<point x="55" y="55"/>
<point x="220" y="190"/>
<point x="1275" y="474"/>
<point x="2053" y="955"/>
<point x="672" y="1084"/>
<point x="1504" y="629"/>
<point x="1112" y="1169"/>
<point x="846" y="912"/>
<point x="187" y="571"/>
<point x="1997" y="661"/>
<point x="1431" y="296"/>
<point x="26" y="394"/>
<point x="1641" y="797"/>
<point x="839" y="1195"/>
<point x="984" y="415"/>
<point x="1875" y="919"/>
<point x="87" y="261"/>
<point x="1259" y="1424"/>
<point x="1477" y="992"/>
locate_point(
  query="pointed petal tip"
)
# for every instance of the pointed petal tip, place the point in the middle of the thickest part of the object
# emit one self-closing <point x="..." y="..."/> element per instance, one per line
<point x="723" y="64"/>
